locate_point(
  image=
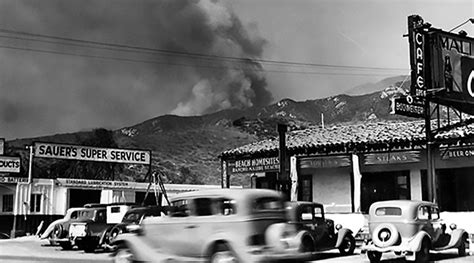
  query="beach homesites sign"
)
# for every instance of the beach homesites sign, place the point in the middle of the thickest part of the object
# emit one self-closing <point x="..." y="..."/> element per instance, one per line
<point x="86" y="153"/>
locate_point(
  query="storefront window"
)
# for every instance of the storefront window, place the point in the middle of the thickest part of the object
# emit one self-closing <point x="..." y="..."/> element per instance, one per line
<point x="35" y="203"/>
<point x="305" y="192"/>
<point x="7" y="203"/>
<point x="380" y="186"/>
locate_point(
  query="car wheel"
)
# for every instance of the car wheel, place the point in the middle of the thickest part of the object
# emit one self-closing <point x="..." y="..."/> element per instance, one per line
<point x="385" y="235"/>
<point x="123" y="255"/>
<point x="307" y="244"/>
<point x="58" y="231"/>
<point x="462" y="248"/>
<point x="347" y="246"/>
<point x="222" y="254"/>
<point x="424" y="254"/>
<point x="113" y="234"/>
<point x="374" y="256"/>
<point x="66" y="245"/>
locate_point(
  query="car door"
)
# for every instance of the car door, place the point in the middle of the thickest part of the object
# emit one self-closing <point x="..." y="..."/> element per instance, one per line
<point x="321" y="228"/>
<point x="199" y="225"/>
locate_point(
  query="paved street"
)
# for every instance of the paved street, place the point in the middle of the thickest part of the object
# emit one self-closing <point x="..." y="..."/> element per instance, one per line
<point x="31" y="249"/>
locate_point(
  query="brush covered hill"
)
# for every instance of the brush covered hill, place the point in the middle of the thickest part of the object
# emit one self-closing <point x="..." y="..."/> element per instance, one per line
<point x="186" y="149"/>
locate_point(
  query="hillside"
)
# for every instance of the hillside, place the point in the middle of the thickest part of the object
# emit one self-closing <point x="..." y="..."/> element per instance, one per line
<point x="187" y="148"/>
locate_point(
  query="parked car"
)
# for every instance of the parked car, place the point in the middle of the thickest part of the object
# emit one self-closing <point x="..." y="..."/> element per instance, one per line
<point x="60" y="233"/>
<point x="412" y="229"/>
<point x="89" y="232"/>
<point x="222" y="225"/>
<point x="322" y="234"/>
<point x="133" y="217"/>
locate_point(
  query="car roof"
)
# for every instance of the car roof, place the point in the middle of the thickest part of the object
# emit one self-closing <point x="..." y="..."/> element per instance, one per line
<point x="403" y="204"/>
<point x="237" y="194"/>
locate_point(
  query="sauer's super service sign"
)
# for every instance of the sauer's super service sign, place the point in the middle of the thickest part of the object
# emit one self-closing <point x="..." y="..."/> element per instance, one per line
<point x="86" y="153"/>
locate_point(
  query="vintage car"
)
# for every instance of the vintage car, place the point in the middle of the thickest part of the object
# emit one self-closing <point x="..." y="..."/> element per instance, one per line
<point x="322" y="234"/>
<point x="60" y="233"/>
<point x="56" y="228"/>
<point x="411" y="229"/>
<point x="89" y="232"/>
<point x="221" y="225"/>
<point x="133" y="217"/>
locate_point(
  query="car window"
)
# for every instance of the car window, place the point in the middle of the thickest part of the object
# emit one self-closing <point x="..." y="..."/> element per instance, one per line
<point x="100" y="216"/>
<point x="203" y="206"/>
<point x="318" y="212"/>
<point x="306" y="213"/>
<point x="388" y="211"/>
<point x="268" y="204"/>
<point x="423" y="213"/>
<point x="225" y="207"/>
<point x="131" y="217"/>
<point x="74" y="215"/>
<point x="179" y="208"/>
<point x="86" y="214"/>
<point x="434" y="213"/>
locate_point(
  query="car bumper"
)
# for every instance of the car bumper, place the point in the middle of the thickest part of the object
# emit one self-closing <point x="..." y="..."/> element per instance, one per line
<point x="269" y="255"/>
<point x="404" y="249"/>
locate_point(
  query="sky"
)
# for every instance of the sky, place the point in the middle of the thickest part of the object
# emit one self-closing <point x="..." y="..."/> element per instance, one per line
<point x="70" y="65"/>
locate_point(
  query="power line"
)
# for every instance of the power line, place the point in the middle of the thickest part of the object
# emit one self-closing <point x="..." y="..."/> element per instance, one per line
<point x="182" y="64"/>
<point x="128" y="48"/>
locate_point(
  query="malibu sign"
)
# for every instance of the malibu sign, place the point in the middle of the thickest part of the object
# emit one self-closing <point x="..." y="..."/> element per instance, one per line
<point x="86" y="153"/>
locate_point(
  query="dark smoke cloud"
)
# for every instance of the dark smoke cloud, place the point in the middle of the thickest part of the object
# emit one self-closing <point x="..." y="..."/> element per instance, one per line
<point x="47" y="93"/>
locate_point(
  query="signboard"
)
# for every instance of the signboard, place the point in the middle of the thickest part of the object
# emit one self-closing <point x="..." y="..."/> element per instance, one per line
<point x="267" y="164"/>
<point x="457" y="152"/>
<point x="10" y="164"/>
<point x="76" y="152"/>
<point x="407" y="106"/>
<point x="392" y="158"/>
<point x="324" y="162"/>
<point x="418" y="55"/>
<point x="84" y="183"/>
<point x="13" y="180"/>
<point x="453" y="70"/>
<point x="2" y="146"/>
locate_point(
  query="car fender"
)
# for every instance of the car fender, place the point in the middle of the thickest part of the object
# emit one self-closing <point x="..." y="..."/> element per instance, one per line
<point x="141" y="249"/>
<point x="341" y="234"/>
<point x="224" y="238"/>
<point x="104" y="235"/>
<point x="457" y="237"/>
<point x="50" y="228"/>
<point x="415" y="242"/>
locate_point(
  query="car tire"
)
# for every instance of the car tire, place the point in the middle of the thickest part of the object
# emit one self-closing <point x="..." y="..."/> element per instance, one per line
<point x="424" y="254"/>
<point x="123" y="255"/>
<point x="222" y="253"/>
<point x="386" y="241"/>
<point x="65" y="245"/>
<point x="347" y="246"/>
<point x="58" y="231"/>
<point x="374" y="256"/>
<point x="464" y="245"/>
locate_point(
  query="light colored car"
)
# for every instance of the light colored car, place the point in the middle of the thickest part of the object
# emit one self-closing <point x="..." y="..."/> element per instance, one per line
<point x="56" y="228"/>
<point x="412" y="229"/>
<point x="222" y="225"/>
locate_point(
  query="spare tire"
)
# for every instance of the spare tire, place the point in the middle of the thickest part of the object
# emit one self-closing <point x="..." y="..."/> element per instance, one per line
<point x="58" y="231"/>
<point x="385" y="235"/>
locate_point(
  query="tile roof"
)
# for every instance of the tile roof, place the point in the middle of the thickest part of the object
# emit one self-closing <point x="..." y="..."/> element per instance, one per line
<point x="342" y="137"/>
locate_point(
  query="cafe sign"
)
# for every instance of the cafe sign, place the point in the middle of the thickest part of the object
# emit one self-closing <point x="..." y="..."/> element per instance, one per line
<point x="392" y="158"/>
<point x="257" y="165"/>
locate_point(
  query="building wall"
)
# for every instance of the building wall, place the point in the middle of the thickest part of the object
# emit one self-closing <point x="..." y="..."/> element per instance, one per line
<point x="332" y="187"/>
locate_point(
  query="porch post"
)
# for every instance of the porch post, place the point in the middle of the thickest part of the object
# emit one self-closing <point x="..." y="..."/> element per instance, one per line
<point x="357" y="177"/>
<point x="294" y="179"/>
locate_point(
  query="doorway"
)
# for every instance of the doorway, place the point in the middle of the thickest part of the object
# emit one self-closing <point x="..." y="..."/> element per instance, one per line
<point x="80" y="197"/>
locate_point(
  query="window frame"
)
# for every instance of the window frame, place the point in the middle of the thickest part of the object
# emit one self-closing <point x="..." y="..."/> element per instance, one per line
<point x="9" y="205"/>
<point x="35" y="202"/>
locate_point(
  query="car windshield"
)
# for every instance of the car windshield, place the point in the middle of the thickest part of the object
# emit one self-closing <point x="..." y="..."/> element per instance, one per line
<point x="268" y="204"/>
<point x="131" y="217"/>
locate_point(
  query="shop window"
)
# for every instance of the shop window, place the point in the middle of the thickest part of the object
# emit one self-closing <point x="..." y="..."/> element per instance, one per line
<point x="305" y="191"/>
<point x="7" y="203"/>
<point x="35" y="203"/>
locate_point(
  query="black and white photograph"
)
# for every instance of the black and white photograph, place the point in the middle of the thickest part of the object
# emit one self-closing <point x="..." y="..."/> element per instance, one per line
<point x="236" y="131"/>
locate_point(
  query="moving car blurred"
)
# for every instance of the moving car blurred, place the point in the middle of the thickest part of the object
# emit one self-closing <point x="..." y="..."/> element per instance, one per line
<point x="412" y="229"/>
<point x="322" y="234"/>
<point x="225" y="225"/>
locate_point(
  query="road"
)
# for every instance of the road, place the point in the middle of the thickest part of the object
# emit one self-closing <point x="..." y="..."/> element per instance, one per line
<point x="31" y="249"/>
